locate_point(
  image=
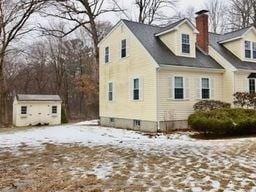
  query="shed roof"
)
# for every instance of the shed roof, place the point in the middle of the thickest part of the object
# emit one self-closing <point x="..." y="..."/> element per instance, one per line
<point x="27" y="97"/>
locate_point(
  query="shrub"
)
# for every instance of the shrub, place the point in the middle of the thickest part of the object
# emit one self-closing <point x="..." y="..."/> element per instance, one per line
<point x="244" y="99"/>
<point x="224" y="121"/>
<point x="209" y="105"/>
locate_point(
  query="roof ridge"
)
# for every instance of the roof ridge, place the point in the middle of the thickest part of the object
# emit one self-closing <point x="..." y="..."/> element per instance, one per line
<point x="237" y="30"/>
<point x="141" y="23"/>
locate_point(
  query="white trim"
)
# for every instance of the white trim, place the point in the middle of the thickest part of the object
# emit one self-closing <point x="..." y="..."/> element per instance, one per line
<point x="156" y="65"/>
<point x="185" y="54"/>
<point x="185" y="68"/>
<point x="140" y="88"/>
<point x="239" y="37"/>
<point x="183" y="83"/>
<point x="201" y="87"/>
<point x="112" y="92"/>
<point x="176" y="28"/>
<point x="111" y="31"/>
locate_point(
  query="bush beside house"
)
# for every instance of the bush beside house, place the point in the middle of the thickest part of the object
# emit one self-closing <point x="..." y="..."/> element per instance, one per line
<point x="215" y="117"/>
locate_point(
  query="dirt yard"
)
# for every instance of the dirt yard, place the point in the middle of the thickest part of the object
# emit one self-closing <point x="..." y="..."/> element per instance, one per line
<point x="102" y="159"/>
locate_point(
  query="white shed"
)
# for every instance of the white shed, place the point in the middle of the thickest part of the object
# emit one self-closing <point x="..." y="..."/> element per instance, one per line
<point x="36" y="110"/>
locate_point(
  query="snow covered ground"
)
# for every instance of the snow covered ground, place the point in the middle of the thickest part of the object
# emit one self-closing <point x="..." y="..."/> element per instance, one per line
<point x="175" y="162"/>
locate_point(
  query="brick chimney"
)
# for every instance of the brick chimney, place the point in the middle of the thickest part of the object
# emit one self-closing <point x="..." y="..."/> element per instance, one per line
<point x="202" y="26"/>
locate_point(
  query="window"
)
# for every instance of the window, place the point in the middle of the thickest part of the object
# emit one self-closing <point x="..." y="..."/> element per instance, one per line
<point x="185" y="43"/>
<point x="254" y="50"/>
<point x="23" y="110"/>
<point x="136" y="123"/>
<point x="251" y="85"/>
<point x="205" y="88"/>
<point x="112" y="120"/>
<point x="178" y="88"/>
<point x="106" y="54"/>
<point x="247" y="45"/>
<point x="123" y="48"/>
<point x="54" y="110"/>
<point x="110" y="91"/>
<point x="136" y="89"/>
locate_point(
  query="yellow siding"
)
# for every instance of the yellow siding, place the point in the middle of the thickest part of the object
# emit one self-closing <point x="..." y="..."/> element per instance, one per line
<point x="138" y="63"/>
<point x="241" y="82"/>
<point x="228" y="76"/>
<point x="170" y="109"/>
<point x="173" y="40"/>
<point x="236" y="47"/>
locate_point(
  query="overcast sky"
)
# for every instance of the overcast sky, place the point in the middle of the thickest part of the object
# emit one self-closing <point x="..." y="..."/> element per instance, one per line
<point x="181" y="5"/>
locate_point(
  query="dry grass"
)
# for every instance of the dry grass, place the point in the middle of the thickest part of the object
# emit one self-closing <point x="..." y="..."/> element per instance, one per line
<point x="70" y="168"/>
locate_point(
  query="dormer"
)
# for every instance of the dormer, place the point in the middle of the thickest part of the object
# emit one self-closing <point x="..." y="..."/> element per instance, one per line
<point x="180" y="38"/>
<point x="241" y="43"/>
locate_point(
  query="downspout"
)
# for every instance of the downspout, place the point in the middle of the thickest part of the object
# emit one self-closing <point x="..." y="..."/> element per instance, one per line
<point x="157" y="98"/>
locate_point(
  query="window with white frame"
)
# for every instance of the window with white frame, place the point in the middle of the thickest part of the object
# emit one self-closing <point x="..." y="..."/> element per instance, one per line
<point x="54" y="109"/>
<point x="178" y="88"/>
<point x="106" y="54"/>
<point x="251" y="85"/>
<point x="254" y="50"/>
<point x="136" y="89"/>
<point x="185" y="43"/>
<point x="123" y="48"/>
<point x="23" y="110"/>
<point x="205" y="84"/>
<point x="247" y="46"/>
<point x="110" y="91"/>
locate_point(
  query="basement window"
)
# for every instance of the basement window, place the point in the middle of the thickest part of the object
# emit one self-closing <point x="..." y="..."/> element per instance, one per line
<point x="112" y="120"/>
<point x="136" y="123"/>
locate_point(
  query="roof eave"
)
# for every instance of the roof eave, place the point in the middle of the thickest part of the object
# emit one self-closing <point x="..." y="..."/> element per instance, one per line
<point x="176" y="28"/>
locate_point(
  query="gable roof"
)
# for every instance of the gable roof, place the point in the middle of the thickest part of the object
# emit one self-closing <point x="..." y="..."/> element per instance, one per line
<point x="27" y="97"/>
<point x="162" y="54"/>
<point x="175" y="25"/>
<point x="214" y="40"/>
<point x="227" y="37"/>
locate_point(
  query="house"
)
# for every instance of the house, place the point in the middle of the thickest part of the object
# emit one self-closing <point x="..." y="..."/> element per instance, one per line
<point x="36" y="110"/>
<point x="150" y="76"/>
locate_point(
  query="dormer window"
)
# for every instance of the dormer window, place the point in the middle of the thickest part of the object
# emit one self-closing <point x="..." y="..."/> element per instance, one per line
<point x="247" y="45"/>
<point x="250" y="50"/>
<point x="185" y="44"/>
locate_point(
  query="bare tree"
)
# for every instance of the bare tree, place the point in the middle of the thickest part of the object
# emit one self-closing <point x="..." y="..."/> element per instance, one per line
<point x="14" y="15"/>
<point x="82" y="13"/>
<point x="217" y="15"/>
<point x="150" y="11"/>
<point x="240" y="13"/>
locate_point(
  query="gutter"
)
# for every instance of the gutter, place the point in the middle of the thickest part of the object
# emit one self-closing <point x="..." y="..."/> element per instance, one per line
<point x="157" y="98"/>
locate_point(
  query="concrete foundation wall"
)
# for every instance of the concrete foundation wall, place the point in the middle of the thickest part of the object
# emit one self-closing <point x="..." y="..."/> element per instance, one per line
<point x="146" y="126"/>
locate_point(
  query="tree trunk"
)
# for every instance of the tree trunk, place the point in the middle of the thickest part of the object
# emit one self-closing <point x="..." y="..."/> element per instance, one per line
<point x="3" y="95"/>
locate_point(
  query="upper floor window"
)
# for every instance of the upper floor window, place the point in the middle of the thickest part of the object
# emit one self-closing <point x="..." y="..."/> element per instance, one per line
<point x="247" y="45"/>
<point x="251" y="85"/>
<point x="178" y="88"/>
<point x="136" y="89"/>
<point x="24" y="110"/>
<point x="123" y="48"/>
<point x="205" y="88"/>
<point x="54" y="110"/>
<point x="106" y="54"/>
<point x="110" y="91"/>
<point x="254" y="50"/>
<point x="250" y="50"/>
<point x="185" y="43"/>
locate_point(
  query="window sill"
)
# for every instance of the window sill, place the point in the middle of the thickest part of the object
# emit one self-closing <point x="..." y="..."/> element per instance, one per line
<point x="23" y="116"/>
<point x="124" y="58"/>
<point x="171" y="99"/>
<point x="54" y="115"/>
